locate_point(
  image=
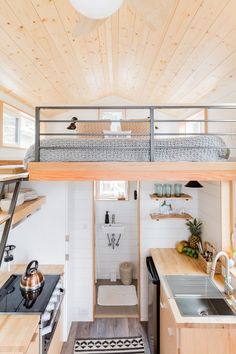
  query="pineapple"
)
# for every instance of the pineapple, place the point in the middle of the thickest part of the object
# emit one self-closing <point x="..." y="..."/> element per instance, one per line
<point x="195" y="228"/>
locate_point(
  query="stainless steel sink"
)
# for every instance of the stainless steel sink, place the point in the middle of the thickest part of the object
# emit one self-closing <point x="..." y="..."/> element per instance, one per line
<point x="192" y="285"/>
<point x="198" y="296"/>
<point x="196" y="307"/>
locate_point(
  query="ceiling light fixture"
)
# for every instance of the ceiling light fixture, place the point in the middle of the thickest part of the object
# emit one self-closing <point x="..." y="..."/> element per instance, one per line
<point x="193" y="184"/>
<point x="96" y="9"/>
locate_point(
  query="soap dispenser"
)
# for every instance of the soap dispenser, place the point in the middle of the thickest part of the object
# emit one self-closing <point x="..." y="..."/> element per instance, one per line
<point x="107" y="221"/>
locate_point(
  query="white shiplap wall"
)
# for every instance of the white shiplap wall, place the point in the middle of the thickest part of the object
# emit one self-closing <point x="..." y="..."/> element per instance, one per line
<point x="108" y="260"/>
<point x="210" y="212"/>
<point x="162" y="234"/>
<point x="80" y="267"/>
<point x="42" y="235"/>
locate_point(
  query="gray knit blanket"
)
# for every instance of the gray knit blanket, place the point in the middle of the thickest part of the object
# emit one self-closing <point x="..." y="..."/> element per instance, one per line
<point x="197" y="148"/>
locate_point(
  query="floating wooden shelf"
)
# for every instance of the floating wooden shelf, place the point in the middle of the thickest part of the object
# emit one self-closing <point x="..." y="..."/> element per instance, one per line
<point x="23" y="211"/>
<point x="182" y="196"/>
<point x="171" y="216"/>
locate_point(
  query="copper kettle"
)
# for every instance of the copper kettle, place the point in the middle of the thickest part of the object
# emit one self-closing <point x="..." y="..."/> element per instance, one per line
<point x="30" y="297"/>
<point x="33" y="279"/>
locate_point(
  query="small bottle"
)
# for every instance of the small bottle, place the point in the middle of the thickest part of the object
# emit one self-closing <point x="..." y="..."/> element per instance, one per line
<point x="113" y="219"/>
<point x="107" y="221"/>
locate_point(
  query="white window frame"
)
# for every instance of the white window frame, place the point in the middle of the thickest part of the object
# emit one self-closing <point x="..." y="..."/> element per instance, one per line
<point x="100" y="196"/>
<point x="19" y="115"/>
<point x="195" y="127"/>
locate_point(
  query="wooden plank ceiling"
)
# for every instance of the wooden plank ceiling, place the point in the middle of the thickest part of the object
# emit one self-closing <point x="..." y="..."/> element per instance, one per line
<point x="189" y="56"/>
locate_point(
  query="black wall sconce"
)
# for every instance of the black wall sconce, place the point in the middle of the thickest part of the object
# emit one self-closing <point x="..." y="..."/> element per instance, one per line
<point x="193" y="184"/>
<point x="72" y="125"/>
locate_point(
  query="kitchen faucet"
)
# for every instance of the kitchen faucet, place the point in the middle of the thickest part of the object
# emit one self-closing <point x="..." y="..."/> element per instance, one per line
<point x="228" y="289"/>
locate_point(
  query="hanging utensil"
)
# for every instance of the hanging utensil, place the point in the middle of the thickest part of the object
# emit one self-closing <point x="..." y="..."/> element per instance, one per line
<point x="113" y="241"/>
<point x="118" y="241"/>
<point x="109" y="241"/>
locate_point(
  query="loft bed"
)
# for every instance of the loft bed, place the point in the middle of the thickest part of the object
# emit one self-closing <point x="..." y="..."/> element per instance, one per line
<point x="139" y="151"/>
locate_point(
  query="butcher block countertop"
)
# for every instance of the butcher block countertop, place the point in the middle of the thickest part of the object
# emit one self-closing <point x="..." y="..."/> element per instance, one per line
<point x="169" y="262"/>
<point x="17" y="330"/>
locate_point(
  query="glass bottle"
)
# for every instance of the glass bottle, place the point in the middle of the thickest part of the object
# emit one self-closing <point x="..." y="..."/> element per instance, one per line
<point x="107" y="221"/>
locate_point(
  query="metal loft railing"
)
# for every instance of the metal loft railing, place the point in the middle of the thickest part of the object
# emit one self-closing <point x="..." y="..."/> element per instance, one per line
<point x="151" y="109"/>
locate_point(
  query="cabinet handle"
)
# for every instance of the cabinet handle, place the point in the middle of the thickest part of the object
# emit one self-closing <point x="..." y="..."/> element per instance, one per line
<point x="162" y="305"/>
<point x="170" y="331"/>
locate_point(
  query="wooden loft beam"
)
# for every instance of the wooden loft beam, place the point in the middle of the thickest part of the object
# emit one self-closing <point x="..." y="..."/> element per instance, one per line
<point x="132" y="171"/>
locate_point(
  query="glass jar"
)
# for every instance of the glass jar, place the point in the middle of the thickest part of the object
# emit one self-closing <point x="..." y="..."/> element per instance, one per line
<point x="178" y="188"/>
<point x="168" y="190"/>
<point x="159" y="189"/>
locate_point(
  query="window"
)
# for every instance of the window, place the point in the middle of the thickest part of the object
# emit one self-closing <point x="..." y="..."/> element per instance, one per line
<point x="112" y="190"/>
<point x="109" y="114"/>
<point x="18" y="128"/>
<point x="195" y="127"/>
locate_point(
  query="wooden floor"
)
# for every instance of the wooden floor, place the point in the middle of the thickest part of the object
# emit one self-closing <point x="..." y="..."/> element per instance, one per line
<point x="115" y="311"/>
<point x="100" y="328"/>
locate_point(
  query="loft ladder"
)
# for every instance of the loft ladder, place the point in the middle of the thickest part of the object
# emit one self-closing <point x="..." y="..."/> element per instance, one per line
<point x="6" y="219"/>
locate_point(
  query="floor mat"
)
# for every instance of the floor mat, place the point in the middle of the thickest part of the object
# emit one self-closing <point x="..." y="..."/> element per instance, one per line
<point x="117" y="295"/>
<point x="127" y="345"/>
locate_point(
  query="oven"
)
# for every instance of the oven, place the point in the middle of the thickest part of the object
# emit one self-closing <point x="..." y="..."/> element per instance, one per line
<point x="153" y="307"/>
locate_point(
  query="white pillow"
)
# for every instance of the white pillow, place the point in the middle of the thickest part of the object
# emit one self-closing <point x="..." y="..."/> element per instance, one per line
<point x="110" y="134"/>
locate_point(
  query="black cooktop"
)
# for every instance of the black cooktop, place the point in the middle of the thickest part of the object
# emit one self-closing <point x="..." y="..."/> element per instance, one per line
<point x="12" y="300"/>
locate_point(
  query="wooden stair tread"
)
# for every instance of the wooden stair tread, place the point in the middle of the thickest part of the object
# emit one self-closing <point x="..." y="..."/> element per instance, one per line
<point x="4" y="217"/>
<point x="24" y="210"/>
<point x="12" y="169"/>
